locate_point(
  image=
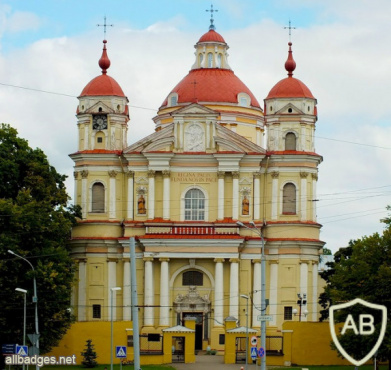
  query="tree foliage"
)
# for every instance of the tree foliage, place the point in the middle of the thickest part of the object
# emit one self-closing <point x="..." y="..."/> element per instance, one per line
<point x="361" y="270"/>
<point x="35" y="222"/>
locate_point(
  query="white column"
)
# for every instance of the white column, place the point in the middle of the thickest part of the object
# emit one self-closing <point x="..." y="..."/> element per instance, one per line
<point x="234" y="288"/>
<point x="303" y="286"/>
<point x="314" y="291"/>
<point x="219" y="293"/>
<point x="82" y="302"/>
<point x="164" y="293"/>
<point x="86" y="138"/>
<point x="84" y="181"/>
<point x="148" y="292"/>
<point x="180" y="135"/>
<point x="213" y="134"/>
<point x="166" y="195"/>
<point x="303" y="138"/>
<point x="275" y="194"/>
<point x="112" y="197"/>
<point x="314" y="195"/>
<point x="130" y="210"/>
<point x="257" y="196"/>
<point x="151" y="194"/>
<point x="259" y="137"/>
<point x="273" y="291"/>
<point x="75" y="176"/>
<point x="126" y="291"/>
<point x="208" y="135"/>
<point x="303" y="196"/>
<point x="257" y="293"/>
<point x="112" y="283"/>
<point x="220" y="196"/>
<point x="235" y="195"/>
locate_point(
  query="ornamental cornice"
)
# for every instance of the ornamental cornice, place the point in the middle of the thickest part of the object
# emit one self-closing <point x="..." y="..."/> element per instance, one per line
<point x="112" y="174"/>
<point x="303" y="175"/>
<point x="75" y="174"/>
<point x="151" y="173"/>
<point x="218" y="260"/>
<point x="275" y="174"/>
<point x="257" y="175"/>
<point x="220" y="174"/>
<point x="314" y="176"/>
<point x="84" y="174"/>
<point x="130" y="174"/>
<point x="235" y="174"/>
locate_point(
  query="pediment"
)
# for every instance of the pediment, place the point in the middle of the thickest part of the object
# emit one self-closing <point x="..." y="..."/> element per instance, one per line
<point x="104" y="108"/>
<point x="289" y="109"/>
<point x="158" y="141"/>
<point x="228" y="140"/>
<point x="194" y="109"/>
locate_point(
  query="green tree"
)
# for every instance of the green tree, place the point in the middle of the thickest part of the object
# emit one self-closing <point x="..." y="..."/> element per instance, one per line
<point x="35" y="222"/>
<point x="89" y="355"/>
<point x="361" y="270"/>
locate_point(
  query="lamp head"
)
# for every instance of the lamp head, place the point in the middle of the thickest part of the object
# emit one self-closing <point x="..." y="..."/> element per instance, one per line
<point x="244" y="296"/>
<point x="115" y="288"/>
<point x="252" y="223"/>
<point x="10" y="252"/>
<point x="240" y="223"/>
<point x="21" y="290"/>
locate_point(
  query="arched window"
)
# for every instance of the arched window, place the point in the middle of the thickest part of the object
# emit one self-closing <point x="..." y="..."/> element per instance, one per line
<point x="192" y="278"/>
<point x="194" y="205"/>
<point x="98" y="198"/>
<point x="289" y="199"/>
<point x="200" y="59"/>
<point x="290" y="141"/>
<point x="210" y="60"/>
<point x="219" y="61"/>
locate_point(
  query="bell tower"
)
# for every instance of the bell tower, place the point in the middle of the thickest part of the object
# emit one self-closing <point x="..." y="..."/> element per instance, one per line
<point x="102" y="113"/>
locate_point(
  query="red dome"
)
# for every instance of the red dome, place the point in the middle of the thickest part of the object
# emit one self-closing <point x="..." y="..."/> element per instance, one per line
<point x="211" y="85"/>
<point x="290" y="87"/>
<point x="102" y="85"/>
<point x="211" y="36"/>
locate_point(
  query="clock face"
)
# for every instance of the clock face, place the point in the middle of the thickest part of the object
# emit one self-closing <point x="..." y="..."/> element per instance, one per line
<point x="100" y="122"/>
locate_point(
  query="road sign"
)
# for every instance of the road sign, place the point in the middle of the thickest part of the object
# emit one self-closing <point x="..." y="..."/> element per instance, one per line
<point x="253" y="353"/>
<point x="261" y="352"/>
<point x="265" y="318"/>
<point x="8" y="349"/>
<point x="120" y="351"/>
<point x="254" y="341"/>
<point x="33" y="338"/>
<point x="22" y="350"/>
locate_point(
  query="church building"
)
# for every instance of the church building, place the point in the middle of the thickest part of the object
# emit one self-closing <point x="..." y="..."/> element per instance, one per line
<point x="217" y="157"/>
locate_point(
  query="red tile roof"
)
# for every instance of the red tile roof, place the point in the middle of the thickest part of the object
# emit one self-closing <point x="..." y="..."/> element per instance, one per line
<point x="213" y="85"/>
<point x="211" y="36"/>
<point x="103" y="85"/>
<point x="290" y="87"/>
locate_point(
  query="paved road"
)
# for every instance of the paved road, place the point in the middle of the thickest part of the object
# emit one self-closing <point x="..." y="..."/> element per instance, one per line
<point x="211" y="363"/>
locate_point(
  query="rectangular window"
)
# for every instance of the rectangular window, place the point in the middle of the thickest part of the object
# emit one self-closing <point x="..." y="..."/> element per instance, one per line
<point x="221" y="338"/>
<point x="288" y="313"/>
<point x="153" y="337"/>
<point x="96" y="311"/>
<point x="130" y="341"/>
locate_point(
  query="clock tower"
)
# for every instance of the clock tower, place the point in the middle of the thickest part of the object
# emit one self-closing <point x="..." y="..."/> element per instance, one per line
<point x="102" y="112"/>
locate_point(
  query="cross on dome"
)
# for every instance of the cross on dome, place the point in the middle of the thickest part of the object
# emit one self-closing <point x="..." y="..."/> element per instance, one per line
<point x="211" y="10"/>
<point x="104" y="25"/>
<point x="290" y="28"/>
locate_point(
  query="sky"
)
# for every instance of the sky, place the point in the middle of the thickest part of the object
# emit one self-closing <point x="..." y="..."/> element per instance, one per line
<point x="49" y="50"/>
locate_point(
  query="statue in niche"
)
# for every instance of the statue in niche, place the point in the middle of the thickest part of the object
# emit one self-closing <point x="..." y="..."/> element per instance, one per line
<point x="245" y="206"/>
<point x="141" y="205"/>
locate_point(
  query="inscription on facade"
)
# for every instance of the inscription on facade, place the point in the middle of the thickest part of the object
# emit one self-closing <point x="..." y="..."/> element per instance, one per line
<point x="197" y="177"/>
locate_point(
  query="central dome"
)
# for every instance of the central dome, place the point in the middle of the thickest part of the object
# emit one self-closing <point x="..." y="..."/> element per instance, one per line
<point x="211" y="85"/>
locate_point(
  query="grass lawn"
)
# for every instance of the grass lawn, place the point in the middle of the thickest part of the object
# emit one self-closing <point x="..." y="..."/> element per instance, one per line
<point x="352" y="367"/>
<point x="102" y="367"/>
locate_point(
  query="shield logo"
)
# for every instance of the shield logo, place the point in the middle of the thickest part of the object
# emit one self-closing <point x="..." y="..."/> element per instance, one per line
<point x="383" y="310"/>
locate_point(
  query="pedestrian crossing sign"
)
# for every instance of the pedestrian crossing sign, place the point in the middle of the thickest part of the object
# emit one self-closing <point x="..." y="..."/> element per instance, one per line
<point x="22" y="350"/>
<point x="120" y="351"/>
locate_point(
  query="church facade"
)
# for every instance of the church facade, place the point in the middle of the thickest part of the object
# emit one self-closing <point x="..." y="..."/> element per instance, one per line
<point x="216" y="157"/>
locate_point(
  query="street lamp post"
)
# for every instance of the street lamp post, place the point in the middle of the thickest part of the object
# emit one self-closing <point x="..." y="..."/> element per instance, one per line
<point x="35" y="298"/>
<point x="263" y="288"/>
<point x="112" y="290"/>
<point x="247" y="298"/>
<point x="24" y="291"/>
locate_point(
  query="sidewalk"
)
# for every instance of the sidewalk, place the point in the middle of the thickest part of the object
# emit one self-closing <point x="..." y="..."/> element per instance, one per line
<point x="205" y="362"/>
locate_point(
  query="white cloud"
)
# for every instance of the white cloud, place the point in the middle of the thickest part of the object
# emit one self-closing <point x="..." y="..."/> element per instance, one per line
<point x="22" y="21"/>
